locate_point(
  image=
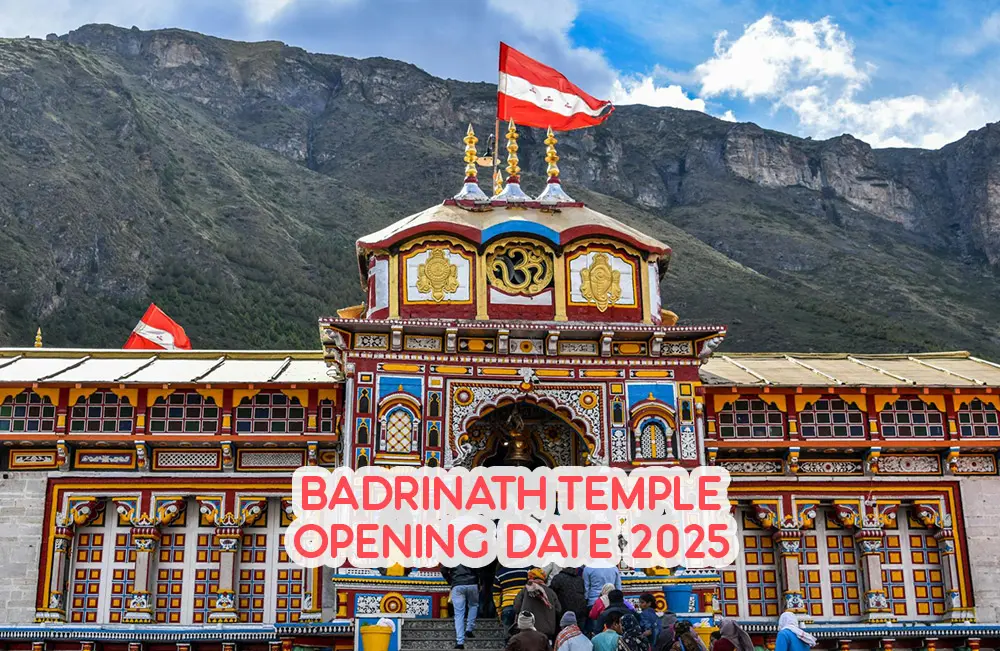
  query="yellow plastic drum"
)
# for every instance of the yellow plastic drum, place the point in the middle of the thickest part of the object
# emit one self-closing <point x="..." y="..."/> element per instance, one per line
<point x="375" y="638"/>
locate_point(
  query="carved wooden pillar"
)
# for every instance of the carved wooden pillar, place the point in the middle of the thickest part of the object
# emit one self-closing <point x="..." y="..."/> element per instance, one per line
<point x="145" y="538"/>
<point x="229" y="532"/>
<point x="78" y="514"/>
<point x="868" y="520"/>
<point x="789" y="544"/>
<point x="933" y="516"/>
<point x="229" y="538"/>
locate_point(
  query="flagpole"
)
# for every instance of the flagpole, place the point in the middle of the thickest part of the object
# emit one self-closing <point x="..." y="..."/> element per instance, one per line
<point x="496" y="125"/>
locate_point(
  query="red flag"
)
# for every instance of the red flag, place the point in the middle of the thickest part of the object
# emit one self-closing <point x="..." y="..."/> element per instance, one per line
<point x="535" y="95"/>
<point x="157" y="331"/>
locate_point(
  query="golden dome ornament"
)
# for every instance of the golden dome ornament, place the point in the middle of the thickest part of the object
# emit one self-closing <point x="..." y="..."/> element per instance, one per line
<point x="553" y="192"/>
<point x="470" y="189"/>
<point x="512" y="192"/>
<point x="437" y="276"/>
<point x="600" y="283"/>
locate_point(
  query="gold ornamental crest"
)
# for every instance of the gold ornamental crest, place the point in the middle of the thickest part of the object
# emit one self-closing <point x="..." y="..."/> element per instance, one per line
<point x="437" y="276"/>
<point x="601" y="284"/>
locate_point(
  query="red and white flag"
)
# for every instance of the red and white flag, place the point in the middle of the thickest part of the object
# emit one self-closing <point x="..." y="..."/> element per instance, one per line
<point x="157" y="331"/>
<point x="535" y="95"/>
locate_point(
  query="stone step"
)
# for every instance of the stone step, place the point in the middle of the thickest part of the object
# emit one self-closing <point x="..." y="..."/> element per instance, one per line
<point x="448" y="624"/>
<point x="437" y="645"/>
<point x="435" y="634"/>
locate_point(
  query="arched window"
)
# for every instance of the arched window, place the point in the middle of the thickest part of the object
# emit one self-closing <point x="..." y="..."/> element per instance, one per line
<point x="364" y="401"/>
<point x="102" y="411"/>
<point x="978" y="419"/>
<point x="654" y="440"/>
<point x="617" y="411"/>
<point x="434" y="409"/>
<point x="434" y="436"/>
<point x="27" y="412"/>
<point x="831" y="418"/>
<point x="270" y="412"/>
<point x="751" y="418"/>
<point x="184" y="412"/>
<point x="911" y="417"/>
<point x="361" y="434"/>
<point x="397" y="431"/>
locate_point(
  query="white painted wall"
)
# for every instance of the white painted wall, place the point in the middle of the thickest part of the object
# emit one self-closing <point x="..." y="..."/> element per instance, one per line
<point x="22" y="509"/>
<point x="981" y="504"/>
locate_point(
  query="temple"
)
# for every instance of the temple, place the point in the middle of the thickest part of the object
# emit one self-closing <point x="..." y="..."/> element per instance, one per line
<point x="144" y="494"/>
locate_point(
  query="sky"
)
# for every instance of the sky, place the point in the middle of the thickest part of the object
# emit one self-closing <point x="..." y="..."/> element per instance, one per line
<point x="893" y="73"/>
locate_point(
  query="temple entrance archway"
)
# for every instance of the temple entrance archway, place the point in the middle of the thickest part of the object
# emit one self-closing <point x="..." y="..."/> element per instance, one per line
<point x="523" y="434"/>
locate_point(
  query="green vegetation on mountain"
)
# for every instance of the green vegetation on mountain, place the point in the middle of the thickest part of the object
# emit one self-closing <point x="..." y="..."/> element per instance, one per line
<point x="228" y="182"/>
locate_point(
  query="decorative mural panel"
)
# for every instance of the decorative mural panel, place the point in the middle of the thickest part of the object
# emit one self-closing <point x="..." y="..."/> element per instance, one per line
<point x="516" y="267"/>
<point x="602" y="279"/>
<point x="437" y="274"/>
<point x="471" y="399"/>
<point x="909" y="464"/>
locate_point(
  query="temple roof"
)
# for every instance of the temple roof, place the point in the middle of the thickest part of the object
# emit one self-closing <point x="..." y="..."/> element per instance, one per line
<point x="66" y="365"/>
<point x="952" y="369"/>
<point x="559" y="226"/>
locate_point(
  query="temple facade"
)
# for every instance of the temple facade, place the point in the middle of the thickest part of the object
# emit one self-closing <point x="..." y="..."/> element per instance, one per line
<point x="144" y="495"/>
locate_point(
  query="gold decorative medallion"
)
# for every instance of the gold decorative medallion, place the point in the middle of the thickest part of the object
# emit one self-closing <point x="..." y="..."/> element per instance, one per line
<point x="437" y="276"/>
<point x="520" y="269"/>
<point x="601" y="284"/>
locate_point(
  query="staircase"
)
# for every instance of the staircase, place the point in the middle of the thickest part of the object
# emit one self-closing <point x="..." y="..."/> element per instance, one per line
<point x="439" y="635"/>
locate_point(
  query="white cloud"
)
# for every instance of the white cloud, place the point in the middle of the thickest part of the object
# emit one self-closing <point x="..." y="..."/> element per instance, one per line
<point x="644" y="91"/>
<point x="771" y="53"/>
<point x="810" y="68"/>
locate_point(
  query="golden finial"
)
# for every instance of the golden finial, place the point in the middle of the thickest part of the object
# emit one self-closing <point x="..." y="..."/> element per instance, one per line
<point x="513" y="171"/>
<point x="38" y="338"/>
<point x="497" y="182"/>
<point x="470" y="189"/>
<point x="470" y="155"/>
<point x="553" y="192"/>
<point x="551" y="157"/>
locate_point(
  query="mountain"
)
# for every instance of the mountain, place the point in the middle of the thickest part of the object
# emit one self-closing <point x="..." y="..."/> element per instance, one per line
<point x="228" y="181"/>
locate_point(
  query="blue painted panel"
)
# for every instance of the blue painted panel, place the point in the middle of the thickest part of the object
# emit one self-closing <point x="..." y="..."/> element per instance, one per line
<point x="665" y="392"/>
<point x="520" y="226"/>
<point x="391" y="384"/>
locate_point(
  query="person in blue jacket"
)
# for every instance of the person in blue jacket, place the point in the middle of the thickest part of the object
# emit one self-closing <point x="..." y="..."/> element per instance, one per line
<point x="790" y="636"/>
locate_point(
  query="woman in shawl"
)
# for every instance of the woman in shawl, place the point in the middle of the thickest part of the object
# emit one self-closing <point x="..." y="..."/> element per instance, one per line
<point x="631" y="638"/>
<point x="665" y="639"/>
<point x="602" y="601"/>
<point x="571" y="638"/>
<point x="685" y="639"/>
<point x="790" y="636"/>
<point x="539" y="600"/>
<point x="732" y="637"/>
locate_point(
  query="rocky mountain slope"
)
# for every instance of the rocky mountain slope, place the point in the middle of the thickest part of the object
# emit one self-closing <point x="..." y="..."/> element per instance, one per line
<point x="227" y="181"/>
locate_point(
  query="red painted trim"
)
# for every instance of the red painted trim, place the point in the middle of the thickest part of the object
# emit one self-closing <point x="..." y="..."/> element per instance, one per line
<point x="470" y="233"/>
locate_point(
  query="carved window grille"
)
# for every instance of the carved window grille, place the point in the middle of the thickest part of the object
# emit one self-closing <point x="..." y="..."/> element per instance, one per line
<point x="828" y="572"/>
<point x="27" y="412"/>
<point x="184" y="412"/>
<point x="911" y="570"/>
<point x="327" y="417"/>
<point x="399" y="430"/>
<point x="750" y="418"/>
<point x="749" y="587"/>
<point x="169" y="593"/>
<point x="103" y="412"/>
<point x="654" y="440"/>
<point x="831" y="418"/>
<point x="269" y="586"/>
<point x="289" y="586"/>
<point x="978" y="419"/>
<point x="911" y="418"/>
<point x="270" y="412"/>
<point x="102" y="572"/>
<point x="206" y="574"/>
